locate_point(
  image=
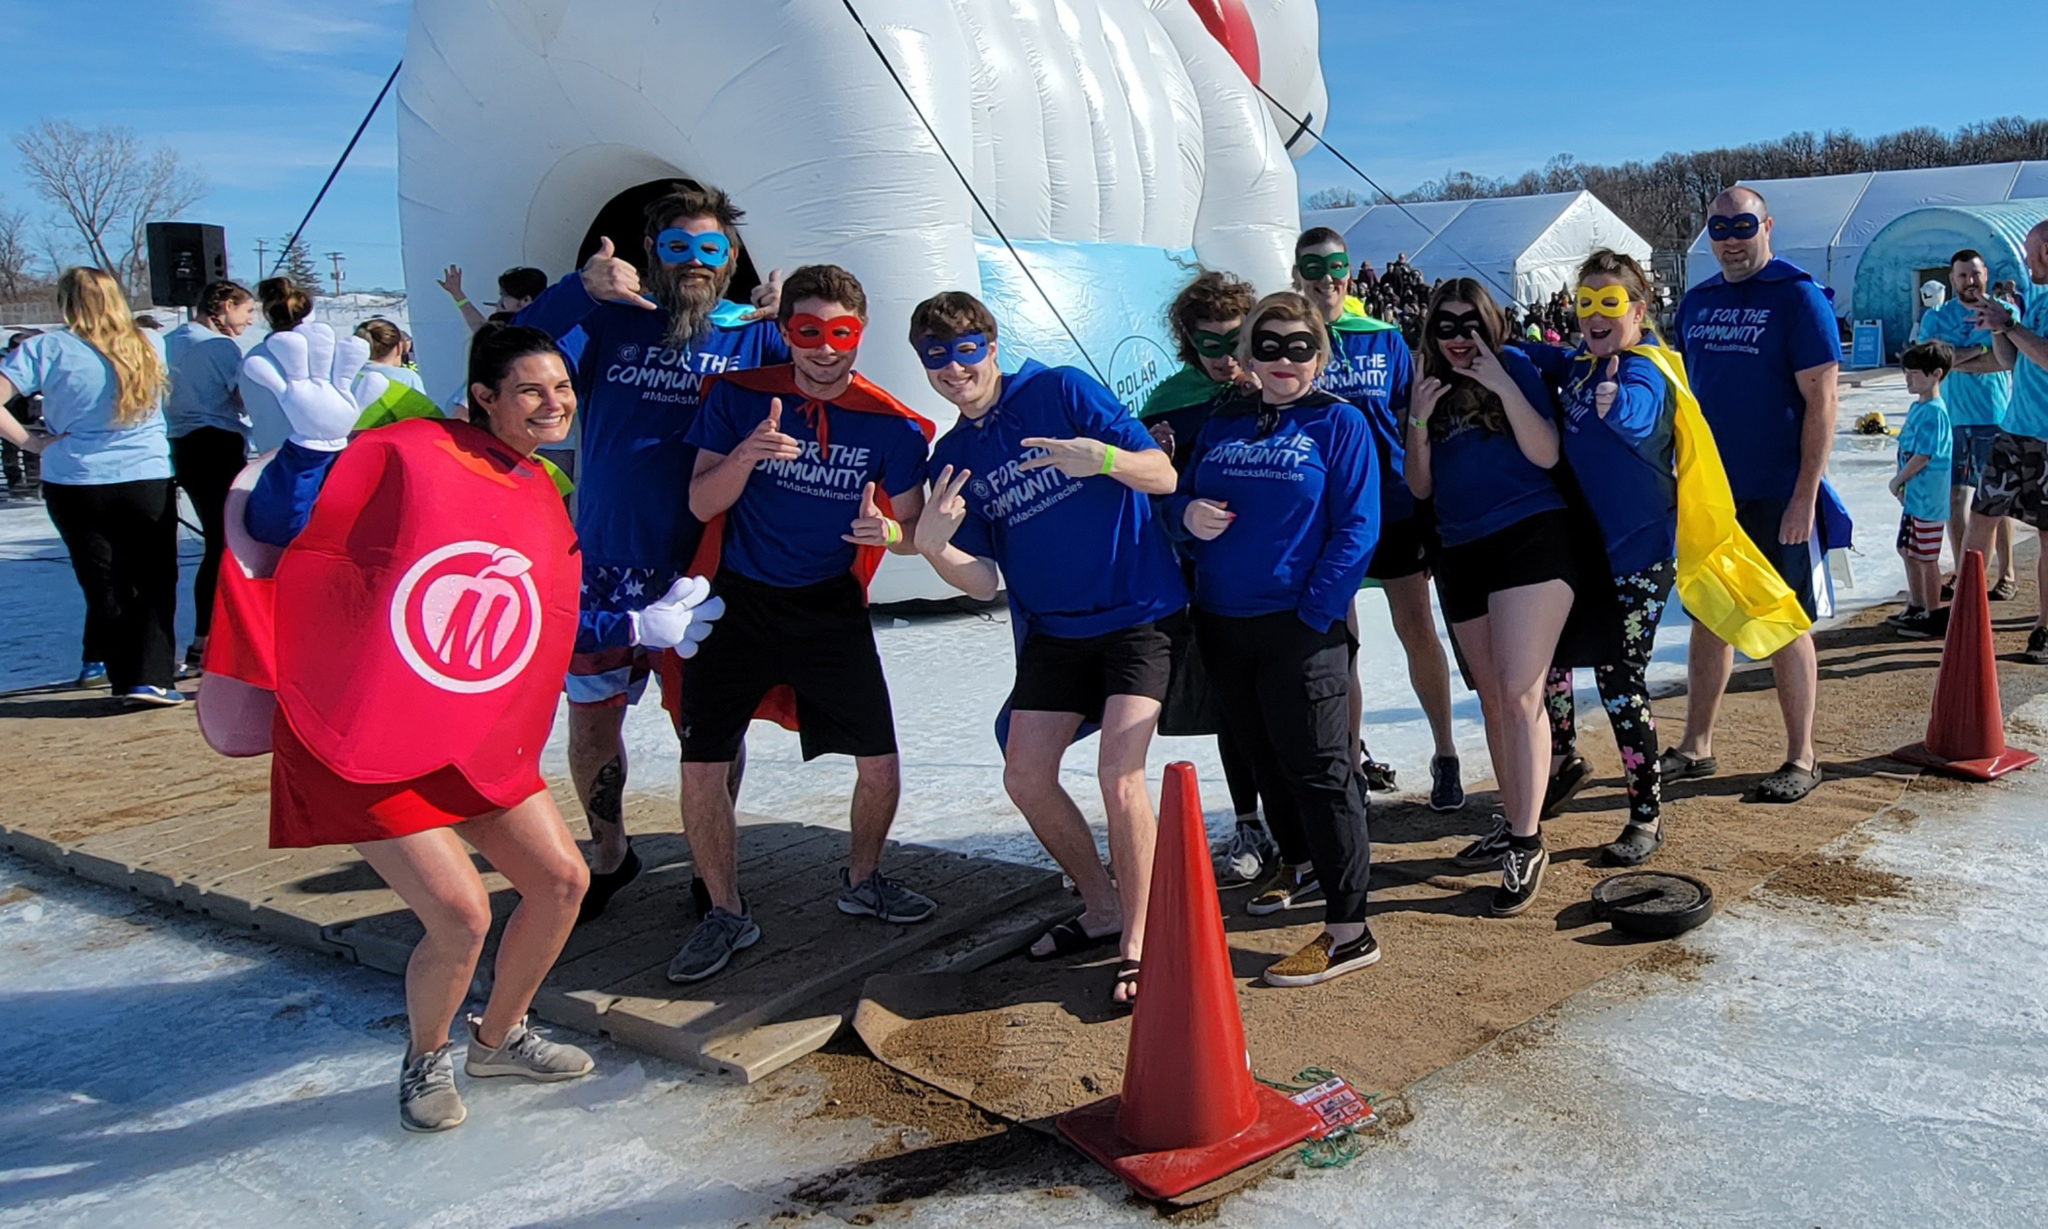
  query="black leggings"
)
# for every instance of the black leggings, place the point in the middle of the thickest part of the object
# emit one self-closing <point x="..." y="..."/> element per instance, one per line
<point x="1640" y="598"/>
<point x="1238" y="774"/>
<point x="123" y="539"/>
<point x="206" y="462"/>
<point x="1286" y="700"/>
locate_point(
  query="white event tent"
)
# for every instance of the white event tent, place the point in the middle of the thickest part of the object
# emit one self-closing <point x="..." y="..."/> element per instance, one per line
<point x="1823" y="223"/>
<point x="1527" y="246"/>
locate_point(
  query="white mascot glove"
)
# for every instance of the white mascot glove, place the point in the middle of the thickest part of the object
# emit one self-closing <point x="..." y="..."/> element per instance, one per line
<point x="681" y="619"/>
<point x="311" y="376"/>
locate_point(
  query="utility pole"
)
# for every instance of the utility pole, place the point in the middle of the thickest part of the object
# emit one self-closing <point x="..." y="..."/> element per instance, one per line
<point x="337" y="258"/>
<point x="260" y="274"/>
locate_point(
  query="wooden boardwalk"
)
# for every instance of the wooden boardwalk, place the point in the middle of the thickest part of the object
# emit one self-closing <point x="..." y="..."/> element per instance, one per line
<point x="136" y="800"/>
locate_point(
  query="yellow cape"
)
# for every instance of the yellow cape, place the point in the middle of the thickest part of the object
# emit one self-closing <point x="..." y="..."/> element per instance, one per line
<point x="1727" y="585"/>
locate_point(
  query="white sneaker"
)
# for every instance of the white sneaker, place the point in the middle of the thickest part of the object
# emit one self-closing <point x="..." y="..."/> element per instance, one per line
<point x="1246" y="858"/>
<point x="427" y="1100"/>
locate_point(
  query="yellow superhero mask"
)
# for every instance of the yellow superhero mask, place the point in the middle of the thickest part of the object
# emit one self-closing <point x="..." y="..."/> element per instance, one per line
<point x="1609" y="301"/>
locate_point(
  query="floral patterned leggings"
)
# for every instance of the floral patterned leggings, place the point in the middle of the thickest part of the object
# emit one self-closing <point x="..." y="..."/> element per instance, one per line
<point x="1642" y="597"/>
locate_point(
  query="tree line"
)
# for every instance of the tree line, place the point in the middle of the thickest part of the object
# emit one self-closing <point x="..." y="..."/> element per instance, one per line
<point x="1665" y="201"/>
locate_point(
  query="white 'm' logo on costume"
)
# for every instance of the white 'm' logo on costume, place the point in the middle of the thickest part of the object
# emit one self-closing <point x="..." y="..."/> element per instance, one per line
<point x="466" y="617"/>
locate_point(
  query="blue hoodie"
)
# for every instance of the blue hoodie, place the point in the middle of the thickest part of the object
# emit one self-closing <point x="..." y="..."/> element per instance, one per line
<point x="1307" y="503"/>
<point x="1624" y="462"/>
<point x="1744" y="344"/>
<point x="1370" y="367"/>
<point x="1082" y="556"/>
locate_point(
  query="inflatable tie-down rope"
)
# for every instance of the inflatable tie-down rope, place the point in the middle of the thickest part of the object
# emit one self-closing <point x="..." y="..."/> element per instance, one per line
<point x="1118" y="143"/>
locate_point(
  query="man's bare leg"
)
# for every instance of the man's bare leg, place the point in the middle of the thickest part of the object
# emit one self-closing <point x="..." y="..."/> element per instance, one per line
<point x="1797" y="667"/>
<point x="1031" y="776"/>
<point x="878" y="783"/>
<point x="1127" y="726"/>
<point x="709" y="822"/>
<point x="597" y="768"/>
<point x="1709" y="662"/>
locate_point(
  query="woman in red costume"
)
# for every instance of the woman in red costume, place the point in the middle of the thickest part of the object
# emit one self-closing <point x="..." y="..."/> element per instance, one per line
<point x="425" y="606"/>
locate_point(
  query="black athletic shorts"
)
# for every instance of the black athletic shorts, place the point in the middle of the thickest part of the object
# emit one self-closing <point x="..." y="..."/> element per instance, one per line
<point x="1803" y="565"/>
<point x="1407" y="547"/>
<point x="1060" y="675"/>
<point x="816" y="640"/>
<point x="1530" y="551"/>
<point x="2015" y="480"/>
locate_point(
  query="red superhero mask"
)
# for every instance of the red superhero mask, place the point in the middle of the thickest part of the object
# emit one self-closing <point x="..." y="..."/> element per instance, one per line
<point x="808" y="332"/>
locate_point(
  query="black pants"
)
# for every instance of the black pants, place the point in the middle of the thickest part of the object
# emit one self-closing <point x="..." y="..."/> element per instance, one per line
<point x="1286" y="700"/>
<point x="123" y="539"/>
<point x="206" y="462"/>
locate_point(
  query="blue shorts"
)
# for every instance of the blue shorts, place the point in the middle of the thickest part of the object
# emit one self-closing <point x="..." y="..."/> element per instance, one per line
<point x="611" y="677"/>
<point x="1972" y="451"/>
<point x="1802" y="565"/>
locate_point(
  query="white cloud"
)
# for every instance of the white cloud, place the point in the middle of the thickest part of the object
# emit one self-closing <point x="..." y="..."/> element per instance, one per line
<point x="307" y="27"/>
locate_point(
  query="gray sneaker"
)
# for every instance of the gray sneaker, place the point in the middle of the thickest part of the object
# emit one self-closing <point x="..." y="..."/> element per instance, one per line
<point x="881" y="897"/>
<point x="1245" y="859"/>
<point x="710" y="947"/>
<point x="426" y="1093"/>
<point x="526" y="1054"/>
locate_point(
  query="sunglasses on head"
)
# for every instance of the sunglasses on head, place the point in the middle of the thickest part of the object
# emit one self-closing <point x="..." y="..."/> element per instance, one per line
<point x="1609" y="301"/>
<point x="808" y="332"/>
<point x="1721" y="227"/>
<point x="1450" y="326"/>
<point x="968" y="349"/>
<point x="676" y="246"/>
<point x="1314" y="268"/>
<point x="1271" y="347"/>
<point x="1216" y="345"/>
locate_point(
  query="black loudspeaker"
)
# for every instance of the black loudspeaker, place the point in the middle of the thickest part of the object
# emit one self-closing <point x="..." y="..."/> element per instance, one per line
<point x="183" y="258"/>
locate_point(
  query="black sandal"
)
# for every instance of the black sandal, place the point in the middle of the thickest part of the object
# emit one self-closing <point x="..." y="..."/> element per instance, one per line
<point x="1635" y="844"/>
<point x="1789" y="784"/>
<point x="1071" y="938"/>
<point x="1126" y="975"/>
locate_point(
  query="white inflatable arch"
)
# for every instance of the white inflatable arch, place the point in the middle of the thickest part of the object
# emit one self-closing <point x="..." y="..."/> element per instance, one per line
<point x="1117" y="142"/>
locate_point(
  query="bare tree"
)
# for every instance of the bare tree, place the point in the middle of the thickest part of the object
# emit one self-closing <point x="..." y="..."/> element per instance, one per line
<point x="1332" y="198"/>
<point x="17" y="257"/>
<point x="107" y="187"/>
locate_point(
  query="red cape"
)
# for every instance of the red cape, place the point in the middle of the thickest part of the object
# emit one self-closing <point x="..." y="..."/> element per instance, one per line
<point x="864" y="397"/>
<point x="424" y="617"/>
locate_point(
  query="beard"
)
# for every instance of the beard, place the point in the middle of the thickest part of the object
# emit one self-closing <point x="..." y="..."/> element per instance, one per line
<point x="689" y="294"/>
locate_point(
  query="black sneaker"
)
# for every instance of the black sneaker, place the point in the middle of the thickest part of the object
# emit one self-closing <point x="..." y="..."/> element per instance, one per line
<point x="1910" y="613"/>
<point x="1571" y="777"/>
<point x="1521" y="875"/>
<point x="1927" y="625"/>
<point x="1485" y="851"/>
<point x="1379" y="778"/>
<point x="1287" y="889"/>
<point x="2005" y="590"/>
<point x="2037" y="647"/>
<point x="1446" y="786"/>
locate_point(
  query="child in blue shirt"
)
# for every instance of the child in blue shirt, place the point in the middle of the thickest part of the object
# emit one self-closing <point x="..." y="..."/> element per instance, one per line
<point x="1921" y="485"/>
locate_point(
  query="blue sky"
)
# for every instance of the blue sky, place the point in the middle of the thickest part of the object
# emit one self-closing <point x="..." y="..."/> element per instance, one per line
<point x="262" y="94"/>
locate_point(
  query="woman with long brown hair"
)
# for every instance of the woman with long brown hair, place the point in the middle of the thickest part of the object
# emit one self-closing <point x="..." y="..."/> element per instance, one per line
<point x="106" y="477"/>
<point x="1481" y="442"/>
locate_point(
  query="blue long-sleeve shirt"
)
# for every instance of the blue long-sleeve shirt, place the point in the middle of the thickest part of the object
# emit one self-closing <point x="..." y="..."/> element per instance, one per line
<point x="1307" y="503"/>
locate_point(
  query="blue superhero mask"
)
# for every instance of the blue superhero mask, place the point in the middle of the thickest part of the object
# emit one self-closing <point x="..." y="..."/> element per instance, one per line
<point x="966" y="349"/>
<point x="676" y="246"/>
<point x="1721" y="227"/>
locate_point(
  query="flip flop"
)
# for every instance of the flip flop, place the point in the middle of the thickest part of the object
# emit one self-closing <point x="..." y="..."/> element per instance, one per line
<point x="1789" y="784"/>
<point x="1572" y="776"/>
<point x="1676" y="765"/>
<point x="1126" y="975"/>
<point x="1071" y="938"/>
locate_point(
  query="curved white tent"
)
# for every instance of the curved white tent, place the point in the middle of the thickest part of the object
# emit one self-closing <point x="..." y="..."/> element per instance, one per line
<point x="1823" y="223"/>
<point x="1525" y="247"/>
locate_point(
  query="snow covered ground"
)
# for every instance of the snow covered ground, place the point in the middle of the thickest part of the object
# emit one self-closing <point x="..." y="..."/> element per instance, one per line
<point x="1884" y="1070"/>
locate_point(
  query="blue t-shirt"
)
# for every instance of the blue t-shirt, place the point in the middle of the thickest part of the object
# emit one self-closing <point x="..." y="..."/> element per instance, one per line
<point x="1974" y="399"/>
<point x="2028" y="414"/>
<point x="78" y="388"/>
<point x="787" y="527"/>
<point x="1081" y="556"/>
<point x="1482" y="482"/>
<point x="1372" y="370"/>
<point x="1927" y="432"/>
<point x="1624" y="462"/>
<point x="205" y="366"/>
<point x="1745" y="344"/>
<point x="637" y="398"/>
<point x="1307" y="502"/>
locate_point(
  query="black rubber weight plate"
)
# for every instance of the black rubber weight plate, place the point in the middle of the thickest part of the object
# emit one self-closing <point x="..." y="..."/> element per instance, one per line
<point x="1654" y="904"/>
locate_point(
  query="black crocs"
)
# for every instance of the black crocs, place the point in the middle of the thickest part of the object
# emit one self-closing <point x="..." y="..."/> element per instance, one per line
<point x="1571" y="777"/>
<point x="1789" y="784"/>
<point x="1070" y="938"/>
<point x="1676" y="765"/>
<point x="1634" y="846"/>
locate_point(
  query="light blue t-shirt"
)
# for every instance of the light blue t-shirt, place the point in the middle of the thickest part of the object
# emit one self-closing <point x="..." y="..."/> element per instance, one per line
<point x="205" y="367"/>
<point x="78" y="388"/>
<point x="2029" y="412"/>
<point x="1927" y="433"/>
<point x="1974" y="400"/>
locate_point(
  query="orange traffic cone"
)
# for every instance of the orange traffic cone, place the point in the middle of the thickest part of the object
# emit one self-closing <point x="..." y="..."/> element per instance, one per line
<point x="1966" y="730"/>
<point x="1190" y="1112"/>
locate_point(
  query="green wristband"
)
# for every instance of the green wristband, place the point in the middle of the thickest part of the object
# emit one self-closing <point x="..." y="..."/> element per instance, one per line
<point x="1108" y="458"/>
